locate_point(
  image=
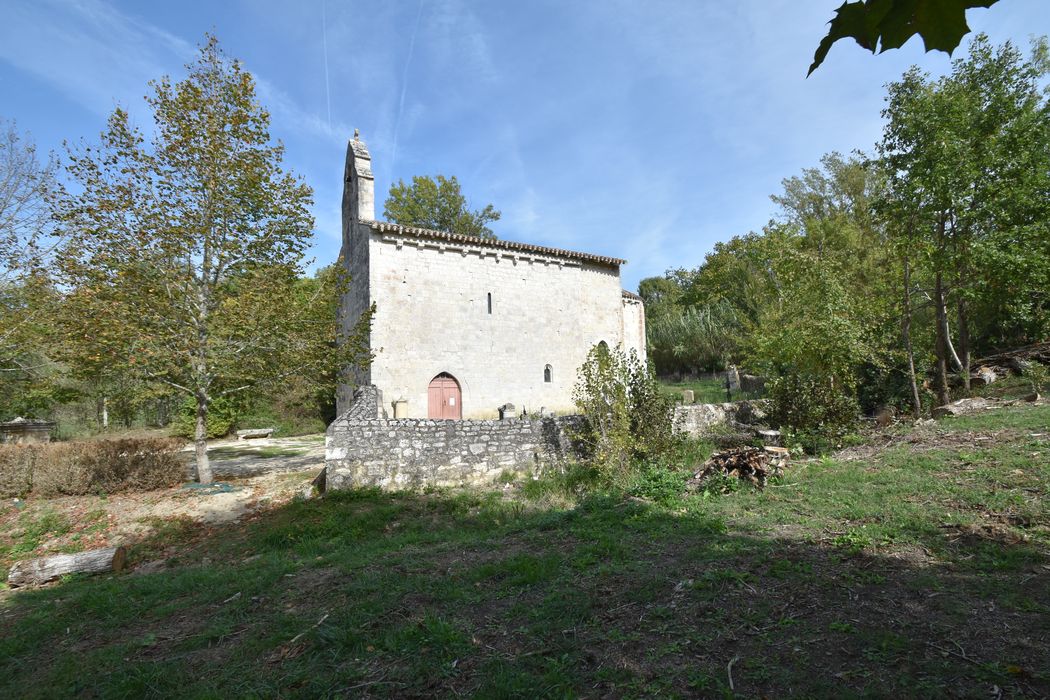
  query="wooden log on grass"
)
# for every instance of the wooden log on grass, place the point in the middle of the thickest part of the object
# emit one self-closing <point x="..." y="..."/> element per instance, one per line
<point x="38" y="571"/>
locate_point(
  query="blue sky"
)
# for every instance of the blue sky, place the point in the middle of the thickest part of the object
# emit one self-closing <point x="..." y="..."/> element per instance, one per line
<point x="644" y="130"/>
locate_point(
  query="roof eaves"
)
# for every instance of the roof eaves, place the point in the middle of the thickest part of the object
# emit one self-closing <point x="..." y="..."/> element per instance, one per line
<point x="385" y="226"/>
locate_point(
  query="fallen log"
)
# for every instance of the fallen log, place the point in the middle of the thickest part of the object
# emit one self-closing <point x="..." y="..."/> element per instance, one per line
<point x="44" y="569"/>
<point x="961" y="407"/>
<point x="1018" y="359"/>
<point x="255" y="433"/>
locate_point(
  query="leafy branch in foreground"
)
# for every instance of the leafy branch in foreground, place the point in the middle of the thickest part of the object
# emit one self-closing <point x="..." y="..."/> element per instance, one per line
<point x="887" y="24"/>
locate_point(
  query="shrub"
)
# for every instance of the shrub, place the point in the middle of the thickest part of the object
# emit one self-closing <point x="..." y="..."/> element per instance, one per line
<point x="222" y="416"/>
<point x="1038" y="375"/>
<point x="812" y="411"/>
<point x="102" y="466"/>
<point x="16" y="469"/>
<point x="628" y="418"/>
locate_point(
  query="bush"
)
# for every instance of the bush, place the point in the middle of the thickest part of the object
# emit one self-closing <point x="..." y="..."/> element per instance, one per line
<point x="663" y="479"/>
<point x="628" y="418"/>
<point x="102" y="466"/>
<point x="811" y="411"/>
<point x="222" y="416"/>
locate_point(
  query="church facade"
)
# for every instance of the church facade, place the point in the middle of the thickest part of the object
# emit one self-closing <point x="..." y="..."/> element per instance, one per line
<point x="464" y="325"/>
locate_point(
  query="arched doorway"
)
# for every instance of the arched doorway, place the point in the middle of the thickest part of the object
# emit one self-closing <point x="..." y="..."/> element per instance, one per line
<point x="444" y="400"/>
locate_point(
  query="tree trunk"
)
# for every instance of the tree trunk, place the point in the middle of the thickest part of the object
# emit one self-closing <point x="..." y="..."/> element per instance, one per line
<point x="942" y="341"/>
<point x="906" y="317"/>
<point x="201" y="440"/>
<point x="37" y="571"/>
<point x="964" y="342"/>
<point x="102" y="411"/>
<point x="952" y="355"/>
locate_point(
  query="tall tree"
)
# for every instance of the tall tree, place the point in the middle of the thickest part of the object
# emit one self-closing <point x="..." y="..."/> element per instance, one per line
<point x="184" y="251"/>
<point x="26" y="293"/>
<point x="439" y="204"/>
<point x="969" y="163"/>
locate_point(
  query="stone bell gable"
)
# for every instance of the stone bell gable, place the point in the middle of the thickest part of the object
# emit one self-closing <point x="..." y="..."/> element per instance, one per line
<point x="465" y="325"/>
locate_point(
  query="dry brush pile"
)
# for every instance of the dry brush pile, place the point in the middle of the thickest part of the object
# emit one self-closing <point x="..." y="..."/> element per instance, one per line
<point x="102" y="466"/>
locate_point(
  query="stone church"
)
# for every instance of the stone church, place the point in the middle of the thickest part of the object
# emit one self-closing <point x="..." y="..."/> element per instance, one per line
<point x="465" y="325"/>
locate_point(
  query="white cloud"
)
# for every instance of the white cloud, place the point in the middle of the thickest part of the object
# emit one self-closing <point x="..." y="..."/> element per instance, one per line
<point x="91" y="52"/>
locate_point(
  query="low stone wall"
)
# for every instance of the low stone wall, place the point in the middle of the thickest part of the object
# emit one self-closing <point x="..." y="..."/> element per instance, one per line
<point x="698" y="419"/>
<point x="411" y="453"/>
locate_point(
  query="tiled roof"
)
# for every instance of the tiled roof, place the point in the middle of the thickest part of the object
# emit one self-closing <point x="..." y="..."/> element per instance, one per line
<point x="385" y="226"/>
<point x="631" y="295"/>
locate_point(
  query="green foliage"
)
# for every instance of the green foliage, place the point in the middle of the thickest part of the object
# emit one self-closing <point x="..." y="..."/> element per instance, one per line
<point x="223" y="413"/>
<point x="818" y="328"/>
<point x="29" y="384"/>
<point x="968" y="157"/>
<point x="888" y="24"/>
<point x="1038" y="375"/>
<point x="692" y="339"/>
<point x="813" y="412"/>
<point x="628" y="417"/>
<point x="185" y="251"/>
<point x="438" y="204"/>
<point x="662" y="478"/>
<point x="926" y="256"/>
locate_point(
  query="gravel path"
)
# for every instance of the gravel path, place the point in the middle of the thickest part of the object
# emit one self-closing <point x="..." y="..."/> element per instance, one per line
<point x="237" y="459"/>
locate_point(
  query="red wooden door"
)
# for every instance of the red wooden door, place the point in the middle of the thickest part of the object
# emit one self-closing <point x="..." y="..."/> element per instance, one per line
<point x="444" y="399"/>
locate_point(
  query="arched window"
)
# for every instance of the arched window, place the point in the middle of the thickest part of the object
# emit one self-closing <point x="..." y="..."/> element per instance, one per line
<point x="548" y="374"/>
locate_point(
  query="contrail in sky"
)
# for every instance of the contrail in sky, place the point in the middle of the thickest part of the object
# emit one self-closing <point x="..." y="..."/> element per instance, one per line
<point x="404" y="84"/>
<point x="324" y="41"/>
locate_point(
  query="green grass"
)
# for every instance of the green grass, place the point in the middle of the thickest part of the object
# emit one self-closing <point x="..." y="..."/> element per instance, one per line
<point x="704" y="390"/>
<point x="922" y="571"/>
<point x="233" y="451"/>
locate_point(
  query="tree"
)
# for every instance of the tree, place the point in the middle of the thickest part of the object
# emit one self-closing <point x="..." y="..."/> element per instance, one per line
<point x="184" y="253"/>
<point x="26" y="292"/>
<point x="437" y="203"/>
<point x="887" y="24"/>
<point x="628" y="418"/>
<point x="969" y="163"/>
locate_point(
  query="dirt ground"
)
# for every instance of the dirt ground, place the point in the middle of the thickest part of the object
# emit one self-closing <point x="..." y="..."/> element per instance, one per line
<point x="250" y="476"/>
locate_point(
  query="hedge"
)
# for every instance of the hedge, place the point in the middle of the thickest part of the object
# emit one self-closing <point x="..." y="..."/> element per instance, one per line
<point x="101" y="466"/>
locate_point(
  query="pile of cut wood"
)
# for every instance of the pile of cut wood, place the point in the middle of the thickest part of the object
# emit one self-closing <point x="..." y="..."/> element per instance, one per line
<point x="1015" y="361"/>
<point x="752" y="464"/>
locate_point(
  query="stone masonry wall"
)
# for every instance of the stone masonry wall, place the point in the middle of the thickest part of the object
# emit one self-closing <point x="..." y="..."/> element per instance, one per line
<point x="493" y="321"/>
<point x="412" y="453"/>
<point x="696" y="420"/>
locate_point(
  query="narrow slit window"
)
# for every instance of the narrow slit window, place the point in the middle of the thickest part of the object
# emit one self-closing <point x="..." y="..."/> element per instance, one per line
<point x="548" y="374"/>
<point x="490" y="302"/>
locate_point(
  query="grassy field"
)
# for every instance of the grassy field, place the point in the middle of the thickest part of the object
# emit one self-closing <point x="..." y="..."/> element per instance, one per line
<point x="914" y="565"/>
<point x="704" y="390"/>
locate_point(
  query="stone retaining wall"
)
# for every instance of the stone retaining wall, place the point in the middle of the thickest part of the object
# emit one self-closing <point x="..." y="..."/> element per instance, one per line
<point x="408" y="453"/>
<point x="697" y="420"/>
<point x="412" y="453"/>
